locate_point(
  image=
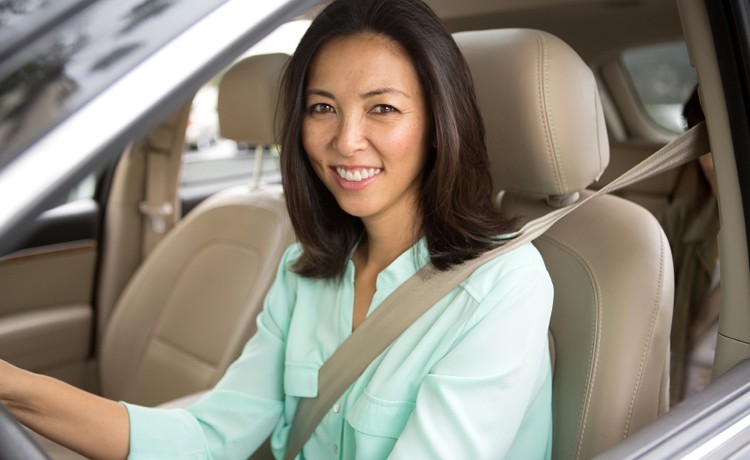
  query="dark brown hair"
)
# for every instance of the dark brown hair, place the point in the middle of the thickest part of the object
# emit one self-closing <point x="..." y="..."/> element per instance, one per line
<point x="459" y="220"/>
<point x="692" y="111"/>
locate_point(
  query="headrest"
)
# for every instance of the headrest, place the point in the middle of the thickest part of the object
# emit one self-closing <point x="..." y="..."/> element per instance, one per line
<point x="248" y="94"/>
<point x="541" y="109"/>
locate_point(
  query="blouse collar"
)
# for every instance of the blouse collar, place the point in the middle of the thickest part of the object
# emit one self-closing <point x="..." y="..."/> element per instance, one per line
<point x="401" y="269"/>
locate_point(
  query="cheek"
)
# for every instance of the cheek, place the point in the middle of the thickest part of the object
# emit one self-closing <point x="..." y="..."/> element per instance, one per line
<point x="400" y="138"/>
<point x="308" y="137"/>
<point x="312" y="146"/>
<point x="411" y="142"/>
<point x="419" y="134"/>
<point x="316" y="137"/>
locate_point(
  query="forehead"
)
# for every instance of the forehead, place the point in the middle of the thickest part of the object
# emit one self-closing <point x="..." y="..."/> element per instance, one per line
<point x="363" y="60"/>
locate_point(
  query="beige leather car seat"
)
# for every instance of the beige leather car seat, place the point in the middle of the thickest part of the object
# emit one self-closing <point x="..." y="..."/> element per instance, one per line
<point x="191" y="306"/>
<point x="609" y="260"/>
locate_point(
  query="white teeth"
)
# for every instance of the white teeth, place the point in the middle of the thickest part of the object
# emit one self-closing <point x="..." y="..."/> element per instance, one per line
<point x="357" y="175"/>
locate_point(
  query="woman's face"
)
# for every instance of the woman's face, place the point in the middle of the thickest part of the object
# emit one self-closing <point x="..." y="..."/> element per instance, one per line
<point x="365" y="129"/>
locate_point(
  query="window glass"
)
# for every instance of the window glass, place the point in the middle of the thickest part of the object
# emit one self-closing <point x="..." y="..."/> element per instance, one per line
<point x="84" y="190"/>
<point x="210" y="161"/>
<point x="663" y="79"/>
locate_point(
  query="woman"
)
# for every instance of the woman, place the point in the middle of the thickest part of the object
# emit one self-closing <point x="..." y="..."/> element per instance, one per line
<point x="385" y="170"/>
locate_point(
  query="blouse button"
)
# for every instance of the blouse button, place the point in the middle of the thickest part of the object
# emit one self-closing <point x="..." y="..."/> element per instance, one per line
<point x="335" y="449"/>
<point x="336" y="408"/>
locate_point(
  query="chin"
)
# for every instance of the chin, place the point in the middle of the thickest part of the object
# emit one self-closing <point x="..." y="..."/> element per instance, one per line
<point x="355" y="210"/>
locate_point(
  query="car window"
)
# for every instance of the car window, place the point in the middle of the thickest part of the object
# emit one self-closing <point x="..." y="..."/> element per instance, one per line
<point x="83" y="190"/>
<point x="210" y="160"/>
<point x="663" y="79"/>
<point x="86" y="189"/>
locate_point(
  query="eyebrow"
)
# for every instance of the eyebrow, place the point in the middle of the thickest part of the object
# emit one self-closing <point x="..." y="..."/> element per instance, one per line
<point x="369" y="94"/>
<point x="380" y="91"/>
<point x="319" y="92"/>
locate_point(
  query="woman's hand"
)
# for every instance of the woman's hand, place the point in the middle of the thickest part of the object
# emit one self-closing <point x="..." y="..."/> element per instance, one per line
<point x="86" y="423"/>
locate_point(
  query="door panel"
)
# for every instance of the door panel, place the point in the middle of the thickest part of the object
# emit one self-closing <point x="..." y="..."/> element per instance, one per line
<point x="47" y="340"/>
<point x="46" y="311"/>
<point x="49" y="276"/>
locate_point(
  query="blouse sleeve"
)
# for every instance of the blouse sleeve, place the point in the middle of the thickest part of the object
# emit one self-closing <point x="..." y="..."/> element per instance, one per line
<point x="234" y="418"/>
<point x="489" y="397"/>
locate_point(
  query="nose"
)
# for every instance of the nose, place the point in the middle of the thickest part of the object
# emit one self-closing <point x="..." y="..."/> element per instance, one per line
<point x="350" y="136"/>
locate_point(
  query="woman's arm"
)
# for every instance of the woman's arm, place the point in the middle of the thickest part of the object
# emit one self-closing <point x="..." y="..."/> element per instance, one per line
<point x="88" y="424"/>
<point x="244" y="405"/>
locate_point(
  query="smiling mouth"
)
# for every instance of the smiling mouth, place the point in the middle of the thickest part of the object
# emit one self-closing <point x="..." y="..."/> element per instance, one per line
<point x="357" y="175"/>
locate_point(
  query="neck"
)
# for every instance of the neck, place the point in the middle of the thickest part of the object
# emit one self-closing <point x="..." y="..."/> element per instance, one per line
<point x="382" y="244"/>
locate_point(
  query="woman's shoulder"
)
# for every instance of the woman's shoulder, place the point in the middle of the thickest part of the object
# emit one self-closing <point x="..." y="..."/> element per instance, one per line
<point x="524" y="257"/>
<point x="523" y="265"/>
<point x="285" y="275"/>
<point x="291" y="254"/>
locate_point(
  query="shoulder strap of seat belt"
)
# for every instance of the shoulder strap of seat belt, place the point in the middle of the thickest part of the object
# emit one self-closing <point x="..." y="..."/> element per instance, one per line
<point x="425" y="288"/>
<point x="163" y="149"/>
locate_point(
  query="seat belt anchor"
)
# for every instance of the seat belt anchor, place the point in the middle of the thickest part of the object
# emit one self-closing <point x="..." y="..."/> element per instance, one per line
<point x="157" y="215"/>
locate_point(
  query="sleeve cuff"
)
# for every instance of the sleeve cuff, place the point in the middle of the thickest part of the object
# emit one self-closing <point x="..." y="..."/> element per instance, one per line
<point x="163" y="433"/>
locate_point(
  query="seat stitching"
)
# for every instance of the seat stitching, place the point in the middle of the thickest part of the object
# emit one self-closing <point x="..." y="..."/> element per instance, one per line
<point x="177" y="348"/>
<point x="647" y="345"/>
<point x="545" y="100"/>
<point x="263" y="255"/>
<point x="541" y="100"/>
<point x="596" y="339"/>
<point x="153" y="334"/>
<point x="595" y="342"/>
<point x="117" y="326"/>
<point x="597" y="108"/>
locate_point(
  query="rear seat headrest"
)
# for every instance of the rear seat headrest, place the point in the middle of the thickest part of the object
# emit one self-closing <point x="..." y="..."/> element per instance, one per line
<point x="248" y="94"/>
<point x="541" y="109"/>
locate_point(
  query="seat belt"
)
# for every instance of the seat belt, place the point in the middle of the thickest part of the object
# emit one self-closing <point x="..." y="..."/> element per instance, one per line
<point x="426" y="287"/>
<point x="163" y="150"/>
<point x="156" y="206"/>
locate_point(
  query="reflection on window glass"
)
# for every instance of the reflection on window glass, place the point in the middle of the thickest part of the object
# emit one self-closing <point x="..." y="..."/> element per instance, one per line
<point x="84" y="190"/>
<point x="663" y="78"/>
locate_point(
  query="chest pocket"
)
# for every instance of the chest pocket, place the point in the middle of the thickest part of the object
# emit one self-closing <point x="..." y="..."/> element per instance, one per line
<point x="301" y="380"/>
<point x="379" y="417"/>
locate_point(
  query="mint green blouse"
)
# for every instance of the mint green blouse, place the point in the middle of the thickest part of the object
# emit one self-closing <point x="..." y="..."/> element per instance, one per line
<point x="469" y="379"/>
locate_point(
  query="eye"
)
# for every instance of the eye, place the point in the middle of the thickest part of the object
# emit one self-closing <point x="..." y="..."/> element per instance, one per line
<point x="321" y="107"/>
<point x="384" y="108"/>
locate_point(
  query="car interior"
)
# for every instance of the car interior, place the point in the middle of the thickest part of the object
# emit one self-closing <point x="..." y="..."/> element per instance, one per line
<point x="144" y="302"/>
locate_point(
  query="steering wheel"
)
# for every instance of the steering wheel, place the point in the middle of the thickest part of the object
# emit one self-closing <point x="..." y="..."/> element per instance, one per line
<point x="15" y="442"/>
